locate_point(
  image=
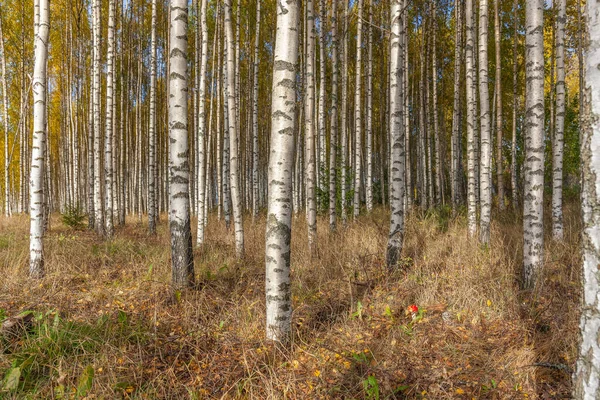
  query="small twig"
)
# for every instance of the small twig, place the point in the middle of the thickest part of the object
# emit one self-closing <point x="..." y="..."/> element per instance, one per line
<point x="558" y="367"/>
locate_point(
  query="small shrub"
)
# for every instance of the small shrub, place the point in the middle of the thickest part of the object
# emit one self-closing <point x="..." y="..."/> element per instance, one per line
<point x="74" y="217"/>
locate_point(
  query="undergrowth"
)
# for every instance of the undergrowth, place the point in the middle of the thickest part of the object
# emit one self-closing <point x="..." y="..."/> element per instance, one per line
<point x="107" y="326"/>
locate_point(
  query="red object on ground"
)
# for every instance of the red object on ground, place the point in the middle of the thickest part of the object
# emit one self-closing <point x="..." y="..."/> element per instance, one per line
<point x="413" y="309"/>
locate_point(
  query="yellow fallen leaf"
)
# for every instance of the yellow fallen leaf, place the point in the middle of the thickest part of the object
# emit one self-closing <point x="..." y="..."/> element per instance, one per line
<point x="489" y="303"/>
<point x="460" y="391"/>
<point x="317" y="373"/>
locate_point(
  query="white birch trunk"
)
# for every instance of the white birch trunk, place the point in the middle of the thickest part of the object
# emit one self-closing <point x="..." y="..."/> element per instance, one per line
<point x="456" y="122"/>
<point x="369" y="127"/>
<point x="533" y="204"/>
<point x="255" y="116"/>
<point x="321" y="173"/>
<point x="558" y="140"/>
<point x="98" y="209"/>
<point x="7" y="207"/>
<point x="152" y="163"/>
<point x="201" y="155"/>
<point x="108" y="144"/>
<point x="281" y="163"/>
<point x="358" y="112"/>
<point x="233" y="137"/>
<point x="513" y="147"/>
<point x="485" y="171"/>
<point x="499" y="116"/>
<point x="182" y="258"/>
<point x="396" y="235"/>
<point x="471" y="120"/>
<point x="309" y="113"/>
<point x="334" y="120"/>
<point x="37" y="204"/>
<point x="586" y="379"/>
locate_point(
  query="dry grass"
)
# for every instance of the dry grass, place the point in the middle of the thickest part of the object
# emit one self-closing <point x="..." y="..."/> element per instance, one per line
<point x="116" y="314"/>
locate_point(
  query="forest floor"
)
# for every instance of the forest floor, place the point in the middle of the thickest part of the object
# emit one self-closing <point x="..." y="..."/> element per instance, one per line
<point x="106" y="324"/>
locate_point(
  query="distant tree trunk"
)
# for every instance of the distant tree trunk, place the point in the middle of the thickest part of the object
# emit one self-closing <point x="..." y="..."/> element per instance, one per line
<point x="309" y="109"/>
<point x="513" y="148"/>
<point x="98" y="209"/>
<point x="201" y="175"/>
<point x="334" y="120"/>
<point x="236" y="200"/>
<point x="439" y="193"/>
<point x="37" y="204"/>
<point x="255" y="116"/>
<point x="108" y="144"/>
<point x="7" y="208"/>
<point x="369" y="127"/>
<point x="182" y="256"/>
<point x="422" y="130"/>
<point x="344" y="138"/>
<point x="152" y="209"/>
<point x="456" y="122"/>
<point x="533" y="205"/>
<point x="485" y="171"/>
<point x="321" y="172"/>
<point x="396" y="235"/>
<point x="358" y="113"/>
<point x="281" y="163"/>
<point x="558" y="140"/>
<point x="499" y="117"/>
<point x="471" y="121"/>
<point x="405" y="75"/>
<point x="586" y="379"/>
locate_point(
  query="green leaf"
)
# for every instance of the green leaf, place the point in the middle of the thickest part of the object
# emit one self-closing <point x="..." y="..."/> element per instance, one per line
<point x="85" y="381"/>
<point x="11" y="380"/>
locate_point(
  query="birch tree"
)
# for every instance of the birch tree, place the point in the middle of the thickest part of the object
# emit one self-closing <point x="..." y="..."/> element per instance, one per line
<point x="309" y="113"/>
<point x="334" y="119"/>
<point x="369" y="124"/>
<point x="558" y="140"/>
<point x="255" y="116"/>
<point x="533" y="204"/>
<point x="36" y="192"/>
<point x="234" y="176"/>
<point x="7" y="208"/>
<point x="471" y="111"/>
<point x="281" y="162"/>
<point x="108" y="144"/>
<point x="152" y="162"/>
<point x="182" y="257"/>
<point x="499" y="117"/>
<point x="358" y="112"/>
<point x="396" y="235"/>
<point x="456" y="123"/>
<point x="98" y="209"/>
<point x="485" y="170"/>
<point x="201" y="178"/>
<point x="586" y="379"/>
<point x="513" y="147"/>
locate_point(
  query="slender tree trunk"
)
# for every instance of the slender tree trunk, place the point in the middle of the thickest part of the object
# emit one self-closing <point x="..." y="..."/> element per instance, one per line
<point x="369" y="127"/>
<point x="152" y="163"/>
<point x="98" y="209"/>
<point x="439" y="195"/>
<point x="422" y="129"/>
<point x="456" y="122"/>
<point x="233" y="137"/>
<point x="108" y="145"/>
<point x="344" y="138"/>
<point x="485" y="171"/>
<point x="513" y="148"/>
<point x="37" y="204"/>
<point x="201" y="178"/>
<point x="7" y="208"/>
<point x="558" y="140"/>
<point x="322" y="169"/>
<point x="182" y="257"/>
<point x="533" y="205"/>
<point x="309" y="109"/>
<point x="334" y="120"/>
<point x="255" y="116"/>
<point x="396" y="235"/>
<point x="499" y="117"/>
<point x="471" y="120"/>
<point x="405" y="73"/>
<point x="358" y="112"/>
<point x="281" y="162"/>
